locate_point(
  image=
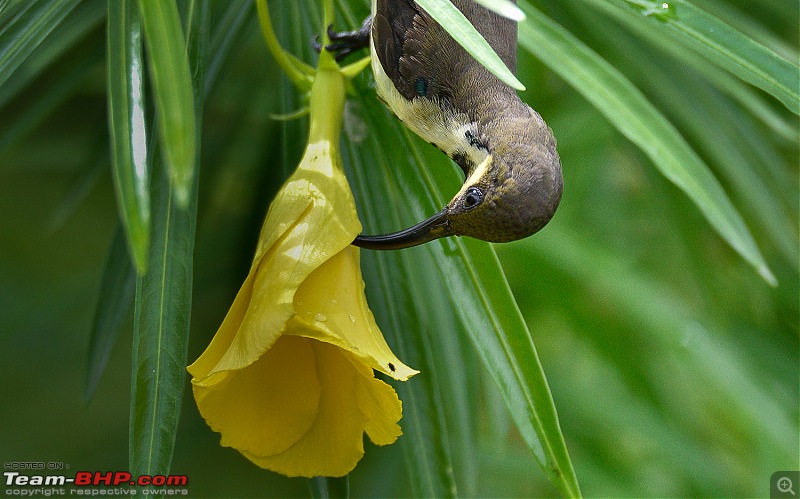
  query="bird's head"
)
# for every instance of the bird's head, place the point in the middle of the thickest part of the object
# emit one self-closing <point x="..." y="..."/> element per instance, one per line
<point x="512" y="189"/>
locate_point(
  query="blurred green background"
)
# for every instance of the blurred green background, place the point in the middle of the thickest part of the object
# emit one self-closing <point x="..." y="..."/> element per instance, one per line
<point x="674" y="367"/>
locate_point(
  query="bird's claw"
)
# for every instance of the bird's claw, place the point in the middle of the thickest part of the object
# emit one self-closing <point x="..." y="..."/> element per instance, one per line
<point x="344" y="43"/>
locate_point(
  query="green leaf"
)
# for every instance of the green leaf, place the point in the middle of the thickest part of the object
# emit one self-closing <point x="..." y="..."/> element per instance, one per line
<point x="505" y="8"/>
<point x="670" y="322"/>
<point x="164" y="300"/>
<point x="228" y="26"/>
<point x="76" y="195"/>
<point x="70" y="79"/>
<point x="636" y="118"/>
<point x="726" y="47"/>
<point x="464" y="285"/>
<point x="462" y="31"/>
<point x="172" y="82"/>
<point x="129" y="159"/>
<point x="29" y="26"/>
<point x="426" y="441"/>
<point x="197" y="19"/>
<point x="161" y="329"/>
<point x="62" y="34"/>
<point x="501" y="338"/>
<point x="711" y="121"/>
<point x="113" y="307"/>
<point x="754" y="101"/>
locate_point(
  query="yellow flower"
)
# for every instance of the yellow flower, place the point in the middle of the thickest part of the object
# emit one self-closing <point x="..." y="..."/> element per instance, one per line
<point x="288" y="378"/>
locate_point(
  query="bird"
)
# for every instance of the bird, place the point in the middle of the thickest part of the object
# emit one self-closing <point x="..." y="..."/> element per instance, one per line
<point x="513" y="180"/>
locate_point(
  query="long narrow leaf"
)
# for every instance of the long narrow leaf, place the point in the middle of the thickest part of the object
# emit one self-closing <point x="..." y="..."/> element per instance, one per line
<point x="448" y="361"/>
<point x="633" y="115"/>
<point x="228" y="25"/>
<point x="433" y="427"/>
<point x="70" y="79"/>
<point x="669" y="320"/>
<point x="729" y="82"/>
<point x="501" y="338"/>
<point x="726" y="46"/>
<point x="29" y="27"/>
<point x="407" y="326"/>
<point x="66" y="31"/>
<point x="161" y="328"/>
<point x="164" y="300"/>
<point x="169" y="68"/>
<point x="127" y="126"/>
<point x="467" y="275"/>
<point x="764" y="32"/>
<point x="739" y="150"/>
<point x="505" y="8"/>
<point x="476" y="286"/>
<point x="462" y="31"/>
<point x="113" y="307"/>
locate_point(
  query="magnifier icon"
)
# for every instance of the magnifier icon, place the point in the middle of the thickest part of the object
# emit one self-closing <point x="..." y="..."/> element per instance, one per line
<point x="784" y="485"/>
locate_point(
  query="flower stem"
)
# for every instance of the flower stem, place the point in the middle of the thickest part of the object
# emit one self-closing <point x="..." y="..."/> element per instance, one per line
<point x="301" y="74"/>
<point x="327" y="106"/>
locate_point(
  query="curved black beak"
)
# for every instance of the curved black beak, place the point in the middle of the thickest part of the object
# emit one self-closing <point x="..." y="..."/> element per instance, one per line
<point x="433" y="228"/>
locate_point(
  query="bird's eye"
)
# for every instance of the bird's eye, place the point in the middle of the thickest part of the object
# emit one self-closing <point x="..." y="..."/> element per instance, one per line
<point x="473" y="197"/>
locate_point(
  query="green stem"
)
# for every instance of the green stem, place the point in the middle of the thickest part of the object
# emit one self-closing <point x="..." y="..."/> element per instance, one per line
<point x="327" y="105"/>
<point x="299" y="77"/>
<point x="327" y="19"/>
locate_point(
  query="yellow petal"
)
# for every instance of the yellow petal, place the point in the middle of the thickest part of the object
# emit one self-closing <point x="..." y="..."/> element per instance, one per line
<point x="268" y="406"/>
<point x="330" y="224"/>
<point x="331" y="307"/>
<point x="203" y="366"/>
<point x="351" y="402"/>
<point x="256" y="318"/>
<point x="312" y="218"/>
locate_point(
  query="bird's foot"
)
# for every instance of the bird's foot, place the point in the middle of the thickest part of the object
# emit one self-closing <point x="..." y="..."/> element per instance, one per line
<point x="344" y="43"/>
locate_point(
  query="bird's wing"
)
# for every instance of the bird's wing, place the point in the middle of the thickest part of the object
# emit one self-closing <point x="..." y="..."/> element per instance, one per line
<point x="421" y="59"/>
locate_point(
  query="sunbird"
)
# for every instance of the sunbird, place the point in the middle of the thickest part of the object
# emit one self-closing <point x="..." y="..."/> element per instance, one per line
<point x="512" y="171"/>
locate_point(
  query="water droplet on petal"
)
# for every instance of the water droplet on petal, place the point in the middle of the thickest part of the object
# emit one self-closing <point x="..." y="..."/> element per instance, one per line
<point x="352" y="318"/>
<point x="334" y="301"/>
<point x="320" y="318"/>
